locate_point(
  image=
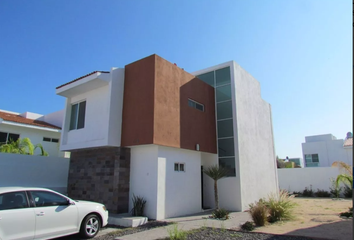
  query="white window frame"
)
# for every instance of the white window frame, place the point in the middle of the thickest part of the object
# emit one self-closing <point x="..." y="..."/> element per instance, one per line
<point x="179" y="166"/>
<point x="311" y="154"/>
<point x="77" y="115"/>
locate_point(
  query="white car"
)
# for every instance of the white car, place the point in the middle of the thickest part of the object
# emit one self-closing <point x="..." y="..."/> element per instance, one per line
<point x="39" y="213"/>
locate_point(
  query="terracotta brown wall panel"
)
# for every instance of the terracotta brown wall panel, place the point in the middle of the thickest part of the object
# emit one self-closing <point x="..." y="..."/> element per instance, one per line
<point x="167" y="122"/>
<point x="156" y="111"/>
<point x="138" y="102"/>
<point x="175" y="123"/>
<point x="198" y="127"/>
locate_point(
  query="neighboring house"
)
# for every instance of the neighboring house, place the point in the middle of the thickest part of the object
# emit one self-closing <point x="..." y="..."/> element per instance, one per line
<point x="298" y="161"/>
<point x="43" y="129"/>
<point x="323" y="150"/>
<point x="150" y="128"/>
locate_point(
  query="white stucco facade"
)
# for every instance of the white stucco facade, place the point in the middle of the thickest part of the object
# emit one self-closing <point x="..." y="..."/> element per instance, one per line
<point x="103" y="94"/>
<point x="297" y="179"/>
<point x="34" y="171"/>
<point x="256" y="171"/>
<point x="328" y="148"/>
<point x="168" y="193"/>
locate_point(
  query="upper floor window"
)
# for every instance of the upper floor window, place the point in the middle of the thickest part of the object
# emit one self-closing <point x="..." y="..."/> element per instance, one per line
<point x="8" y="137"/>
<point x="196" y="105"/>
<point x="77" y="118"/>
<point x="311" y="160"/>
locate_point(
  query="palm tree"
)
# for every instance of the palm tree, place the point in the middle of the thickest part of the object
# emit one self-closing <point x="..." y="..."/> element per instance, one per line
<point x="22" y="146"/>
<point x="347" y="176"/>
<point x="43" y="152"/>
<point x="215" y="172"/>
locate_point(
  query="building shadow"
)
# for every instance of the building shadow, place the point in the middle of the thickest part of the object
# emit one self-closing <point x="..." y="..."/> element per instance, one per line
<point x="341" y="230"/>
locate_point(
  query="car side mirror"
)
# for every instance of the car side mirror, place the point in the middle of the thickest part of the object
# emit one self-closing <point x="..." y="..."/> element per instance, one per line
<point x="70" y="202"/>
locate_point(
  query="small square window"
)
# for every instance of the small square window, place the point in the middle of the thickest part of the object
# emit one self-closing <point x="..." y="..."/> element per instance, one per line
<point x="179" y="167"/>
<point x="46" y="139"/>
<point x="55" y="140"/>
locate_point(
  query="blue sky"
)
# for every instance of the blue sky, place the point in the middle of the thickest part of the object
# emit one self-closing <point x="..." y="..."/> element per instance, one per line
<point x="299" y="50"/>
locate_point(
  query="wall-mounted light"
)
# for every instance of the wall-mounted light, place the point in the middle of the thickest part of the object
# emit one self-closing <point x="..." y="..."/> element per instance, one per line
<point x="197" y="147"/>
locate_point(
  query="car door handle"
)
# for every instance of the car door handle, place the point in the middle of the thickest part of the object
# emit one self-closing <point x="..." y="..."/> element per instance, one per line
<point x="40" y="214"/>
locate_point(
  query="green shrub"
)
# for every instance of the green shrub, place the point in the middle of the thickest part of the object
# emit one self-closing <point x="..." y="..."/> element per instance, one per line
<point x="259" y="212"/>
<point x="297" y="194"/>
<point x="280" y="206"/>
<point x="347" y="214"/>
<point x="348" y="191"/>
<point x="335" y="190"/>
<point x="138" y="206"/>
<point x="322" y="193"/>
<point x="177" y="234"/>
<point x="220" y="214"/>
<point x="307" y="192"/>
<point x="247" y="226"/>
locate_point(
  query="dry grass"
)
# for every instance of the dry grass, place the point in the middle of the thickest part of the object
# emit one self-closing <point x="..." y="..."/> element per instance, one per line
<point x="316" y="217"/>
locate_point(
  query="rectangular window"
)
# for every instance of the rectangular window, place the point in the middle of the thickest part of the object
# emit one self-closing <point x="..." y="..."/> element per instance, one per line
<point x="8" y="137"/>
<point x="311" y="160"/>
<point x="77" y="118"/>
<point x="179" y="167"/>
<point x="229" y="164"/>
<point x="225" y="128"/>
<point x="195" y="105"/>
<point x="223" y="76"/>
<point x="207" y="78"/>
<point x="224" y="110"/>
<point x="176" y="167"/>
<point x="226" y="147"/>
<point x="55" y="140"/>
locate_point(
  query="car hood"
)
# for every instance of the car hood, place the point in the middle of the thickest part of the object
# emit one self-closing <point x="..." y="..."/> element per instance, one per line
<point x="83" y="202"/>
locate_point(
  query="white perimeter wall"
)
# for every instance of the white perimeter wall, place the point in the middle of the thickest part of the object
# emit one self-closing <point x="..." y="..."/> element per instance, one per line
<point x="34" y="171"/>
<point x="103" y="118"/>
<point x="254" y="145"/>
<point x="36" y="136"/>
<point x="296" y="179"/>
<point x="168" y="193"/>
<point x="328" y="152"/>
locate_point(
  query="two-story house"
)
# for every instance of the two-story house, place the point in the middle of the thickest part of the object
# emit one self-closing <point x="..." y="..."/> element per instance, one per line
<point x="150" y="128"/>
<point x="40" y="129"/>
<point x="323" y="150"/>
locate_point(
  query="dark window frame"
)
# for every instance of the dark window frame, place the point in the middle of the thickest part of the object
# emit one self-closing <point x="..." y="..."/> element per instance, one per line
<point x="194" y="104"/>
<point x="25" y="204"/>
<point x="46" y="204"/>
<point x="8" y="137"/>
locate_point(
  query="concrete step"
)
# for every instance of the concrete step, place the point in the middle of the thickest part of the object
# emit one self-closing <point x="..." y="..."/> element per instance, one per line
<point x="126" y="220"/>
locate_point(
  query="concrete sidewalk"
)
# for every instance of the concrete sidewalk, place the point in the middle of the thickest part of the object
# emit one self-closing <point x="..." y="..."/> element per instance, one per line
<point x="189" y="223"/>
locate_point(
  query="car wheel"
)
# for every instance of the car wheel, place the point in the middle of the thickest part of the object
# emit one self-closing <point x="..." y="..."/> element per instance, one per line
<point x="90" y="226"/>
